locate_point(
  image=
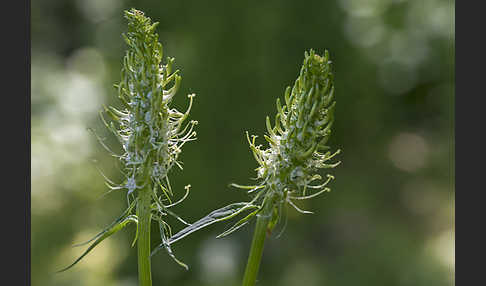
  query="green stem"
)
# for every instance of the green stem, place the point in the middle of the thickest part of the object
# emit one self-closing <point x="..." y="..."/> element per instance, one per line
<point x="256" y="249"/>
<point x="143" y="244"/>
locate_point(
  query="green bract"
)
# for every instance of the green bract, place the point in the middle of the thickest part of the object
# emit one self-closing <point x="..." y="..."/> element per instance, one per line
<point x="150" y="131"/>
<point x="288" y="168"/>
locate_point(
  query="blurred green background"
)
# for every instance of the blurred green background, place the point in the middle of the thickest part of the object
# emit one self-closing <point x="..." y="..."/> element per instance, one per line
<point x="389" y="219"/>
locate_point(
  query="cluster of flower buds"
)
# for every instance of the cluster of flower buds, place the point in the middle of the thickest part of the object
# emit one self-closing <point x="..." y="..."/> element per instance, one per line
<point x="151" y="132"/>
<point x="288" y="169"/>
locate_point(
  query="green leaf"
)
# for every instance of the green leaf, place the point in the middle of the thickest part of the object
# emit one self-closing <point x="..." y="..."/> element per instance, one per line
<point x="218" y="215"/>
<point x="114" y="229"/>
<point x="118" y="220"/>
<point x="239" y="224"/>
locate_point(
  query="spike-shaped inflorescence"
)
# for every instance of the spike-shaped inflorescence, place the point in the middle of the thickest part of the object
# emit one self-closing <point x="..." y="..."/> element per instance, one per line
<point x="301" y="131"/>
<point x="288" y="168"/>
<point x="150" y="131"/>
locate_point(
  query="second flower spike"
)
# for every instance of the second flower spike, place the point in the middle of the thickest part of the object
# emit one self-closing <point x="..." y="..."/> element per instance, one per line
<point x="288" y="167"/>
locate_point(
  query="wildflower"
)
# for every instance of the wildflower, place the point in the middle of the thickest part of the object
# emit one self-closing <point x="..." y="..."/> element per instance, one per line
<point x="288" y="167"/>
<point x="151" y="133"/>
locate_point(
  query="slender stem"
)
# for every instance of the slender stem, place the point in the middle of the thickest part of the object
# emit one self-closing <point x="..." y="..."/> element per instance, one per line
<point x="256" y="249"/>
<point x="143" y="244"/>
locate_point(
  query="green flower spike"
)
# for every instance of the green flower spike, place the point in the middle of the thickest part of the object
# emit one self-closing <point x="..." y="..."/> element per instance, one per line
<point x="297" y="149"/>
<point x="152" y="135"/>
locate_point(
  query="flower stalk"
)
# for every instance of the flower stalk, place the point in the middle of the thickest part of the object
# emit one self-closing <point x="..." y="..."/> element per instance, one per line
<point x="151" y="134"/>
<point x="289" y="165"/>
<point x="143" y="245"/>
<point x="256" y="250"/>
<point x="288" y="168"/>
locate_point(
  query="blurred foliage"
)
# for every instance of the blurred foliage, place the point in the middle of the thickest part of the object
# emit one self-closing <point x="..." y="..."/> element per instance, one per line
<point x="390" y="217"/>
